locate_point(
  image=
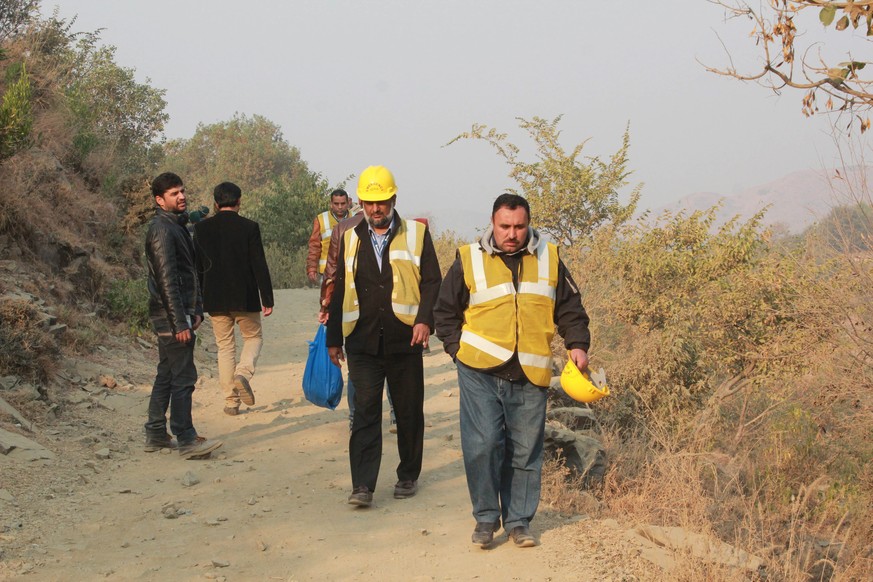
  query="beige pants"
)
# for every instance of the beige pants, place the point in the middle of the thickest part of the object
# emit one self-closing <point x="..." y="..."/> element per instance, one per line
<point x="223" y="325"/>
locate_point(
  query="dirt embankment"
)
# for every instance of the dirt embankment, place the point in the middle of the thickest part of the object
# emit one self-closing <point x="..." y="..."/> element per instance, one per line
<point x="271" y="504"/>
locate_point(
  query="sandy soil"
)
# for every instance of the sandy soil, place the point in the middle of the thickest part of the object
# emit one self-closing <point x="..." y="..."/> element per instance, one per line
<point x="271" y="504"/>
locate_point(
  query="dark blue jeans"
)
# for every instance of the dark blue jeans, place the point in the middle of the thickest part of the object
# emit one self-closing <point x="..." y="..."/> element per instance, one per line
<point x="173" y="389"/>
<point x="502" y="425"/>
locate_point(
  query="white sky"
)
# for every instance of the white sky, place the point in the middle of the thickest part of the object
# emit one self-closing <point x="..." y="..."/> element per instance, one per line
<point x="355" y="83"/>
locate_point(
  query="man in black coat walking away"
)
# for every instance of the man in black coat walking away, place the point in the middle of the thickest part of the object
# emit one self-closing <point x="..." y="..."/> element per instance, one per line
<point x="236" y="289"/>
<point x="176" y="311"/>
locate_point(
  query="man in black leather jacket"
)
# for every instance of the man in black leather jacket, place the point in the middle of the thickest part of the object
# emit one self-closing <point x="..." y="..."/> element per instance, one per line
<point x="176" y="311"/>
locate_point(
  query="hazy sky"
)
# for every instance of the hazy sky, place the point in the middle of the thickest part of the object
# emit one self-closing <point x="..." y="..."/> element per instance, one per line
<point x="355" y="83"/>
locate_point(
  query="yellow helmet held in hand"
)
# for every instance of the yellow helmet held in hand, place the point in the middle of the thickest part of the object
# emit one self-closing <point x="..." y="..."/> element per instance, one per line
<point x="376" y="184"/>
<point x="581" y="386"/>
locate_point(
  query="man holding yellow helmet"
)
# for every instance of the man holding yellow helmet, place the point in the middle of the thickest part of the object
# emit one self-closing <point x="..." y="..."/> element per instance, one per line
<point x="496" y="315"/>
<point x="387" y="281"/>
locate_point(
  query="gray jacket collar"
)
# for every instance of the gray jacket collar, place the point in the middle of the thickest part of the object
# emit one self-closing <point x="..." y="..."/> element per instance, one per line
<point x="487" y="242"/>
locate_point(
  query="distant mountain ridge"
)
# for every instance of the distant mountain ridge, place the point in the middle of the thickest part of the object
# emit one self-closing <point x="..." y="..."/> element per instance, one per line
<point x="795" y="201"/>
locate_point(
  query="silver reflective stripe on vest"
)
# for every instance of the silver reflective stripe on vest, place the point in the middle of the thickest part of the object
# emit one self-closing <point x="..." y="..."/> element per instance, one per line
<point x="495" y="292"/>
<point x="484" y="293"/>
<point x="325" y="225"/>
<point x="541" y="287"/>
<point x="478" y="265"/>
<point x="351" y="316"/>
<point x="350" y="262"/>
<point x="534" y="361"/>
<point x="483" y="345"/>
<point x="401" y="309"/>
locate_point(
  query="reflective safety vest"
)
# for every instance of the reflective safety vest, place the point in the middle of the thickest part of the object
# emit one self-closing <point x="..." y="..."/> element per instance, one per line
<point x="326" y="222"/>
<point x="404" y="256"/>
<point x="500" y="320"/>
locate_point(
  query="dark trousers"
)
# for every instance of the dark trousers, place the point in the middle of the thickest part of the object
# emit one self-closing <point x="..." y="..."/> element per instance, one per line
<point x="173" y="389"/>
<point x="405" y="375"/>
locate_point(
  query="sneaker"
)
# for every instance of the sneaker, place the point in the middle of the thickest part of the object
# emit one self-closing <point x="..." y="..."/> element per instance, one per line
<point x="405" y="489"/>
<point x="156" y="444"/>
<point x="231" y="410"/>
<point x="520" y="535"/>
<point x="361" y="496"/>
<point x="484" y="533"/>
<point x="200" y="448"/>
<point x="244" y="389"/>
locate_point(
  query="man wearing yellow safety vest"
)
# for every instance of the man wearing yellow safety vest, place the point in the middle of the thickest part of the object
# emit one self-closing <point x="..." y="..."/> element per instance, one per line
<point x="322" y="226"/>
<point x="496" y="315"/>
<point x="387" y="281"/>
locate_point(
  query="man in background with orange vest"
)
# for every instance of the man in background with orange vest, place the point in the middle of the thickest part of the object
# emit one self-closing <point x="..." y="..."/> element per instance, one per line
<point x="496" y="315"/>
<point x="387" y="282"/>
<point x="322" y="227"/>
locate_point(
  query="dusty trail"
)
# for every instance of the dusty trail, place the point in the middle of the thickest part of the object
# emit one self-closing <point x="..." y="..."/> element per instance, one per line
<point x="271" y="504"/>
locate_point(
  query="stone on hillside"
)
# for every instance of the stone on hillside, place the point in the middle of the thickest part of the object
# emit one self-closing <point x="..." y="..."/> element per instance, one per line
<point x="18" y="447"/>
<point x="190" y="479"/>
<point x="584" y="455"/>
<point x="676" y="539"/>
<point x="107" y="381"/>
<point x="103" y="453"/>
<point x="573" y="417"/>
<point x="9" y="382"/>
<point x="76" y="396"/>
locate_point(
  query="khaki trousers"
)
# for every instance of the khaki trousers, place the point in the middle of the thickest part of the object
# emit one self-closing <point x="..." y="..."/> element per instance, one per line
<point x="223" y="325"/>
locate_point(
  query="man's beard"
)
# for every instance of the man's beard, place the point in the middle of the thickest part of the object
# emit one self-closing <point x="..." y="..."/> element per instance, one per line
<point x="383" y="222"/>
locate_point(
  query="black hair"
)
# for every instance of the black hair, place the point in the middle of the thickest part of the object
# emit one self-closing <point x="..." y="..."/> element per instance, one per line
<point x="339" y="192"/>
<point x="164" y="182"/>
<point x="511" y="201"/>
<point x="227" y="195"/>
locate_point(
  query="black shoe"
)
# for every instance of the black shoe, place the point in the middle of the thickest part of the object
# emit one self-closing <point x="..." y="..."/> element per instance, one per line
<point x="405" y="489"/>
<point x="520" y="535"/>
<point x="156" y="444"/>
<point x="244" y="389"/>
<point x="361" y="496"/>
<point x="200" y="448"/>
<point x="484" y="533"/>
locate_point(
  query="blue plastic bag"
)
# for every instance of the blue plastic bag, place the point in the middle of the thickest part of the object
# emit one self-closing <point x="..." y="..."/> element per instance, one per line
<point x="322" y="381"/>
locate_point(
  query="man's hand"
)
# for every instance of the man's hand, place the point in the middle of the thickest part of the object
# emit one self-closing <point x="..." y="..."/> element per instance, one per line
<point x="336" y="356"/>
<point x="183" y="337"/>
<point x="268" y="311"/>
<point x="313" y="276"/>
<point x="195" y="323"/>
<point x="580" y="358"/>
<point x="420" y="334"/>
<point x="323" y="316"/>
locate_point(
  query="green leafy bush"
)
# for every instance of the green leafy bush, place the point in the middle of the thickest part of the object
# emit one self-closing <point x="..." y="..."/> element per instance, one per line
<point x="128" y="300"/>
<point x="16" y="117"/>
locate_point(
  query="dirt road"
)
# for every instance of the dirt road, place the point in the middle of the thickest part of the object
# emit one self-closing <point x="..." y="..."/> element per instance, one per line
<point x="271" y="504"/>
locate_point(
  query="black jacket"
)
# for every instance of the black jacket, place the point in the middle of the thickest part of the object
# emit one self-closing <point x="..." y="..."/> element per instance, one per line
<point x="374" y="289"/>
<point x="231" y="264"/>
<point x="174" y="291"/>
<point x="569" y="316"/>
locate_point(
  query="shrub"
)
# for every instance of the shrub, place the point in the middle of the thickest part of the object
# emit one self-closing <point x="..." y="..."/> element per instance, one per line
<point x="128" y="300"/>
<point x="26" y="347"/>
<point x="287" y="268"/>
<point x="16" y="118"/>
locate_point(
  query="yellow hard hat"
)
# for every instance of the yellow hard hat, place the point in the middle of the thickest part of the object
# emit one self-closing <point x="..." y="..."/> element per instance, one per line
<point x="376" y="184"/>
<point x="581" y="386"/>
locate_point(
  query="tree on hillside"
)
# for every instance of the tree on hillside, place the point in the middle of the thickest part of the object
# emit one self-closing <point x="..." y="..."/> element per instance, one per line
<point x="791" y="60"/>
<point x="249" y="151"/>
<point x="15" y="15"/>
<point x="569" y="198"/>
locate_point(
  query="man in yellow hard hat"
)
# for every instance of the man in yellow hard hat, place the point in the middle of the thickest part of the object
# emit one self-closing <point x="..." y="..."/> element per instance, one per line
<point x="322" y="227"/>
<point x="496" y="315"/>
<point x="387" y="281"/>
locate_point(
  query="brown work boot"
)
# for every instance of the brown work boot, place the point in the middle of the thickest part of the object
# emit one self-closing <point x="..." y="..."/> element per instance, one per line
<point x="244" y="389"/>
